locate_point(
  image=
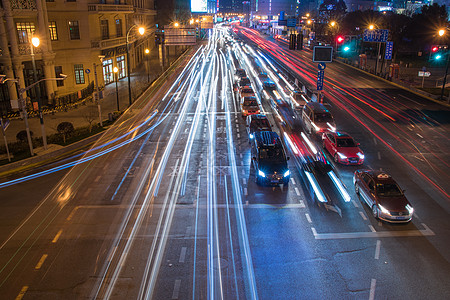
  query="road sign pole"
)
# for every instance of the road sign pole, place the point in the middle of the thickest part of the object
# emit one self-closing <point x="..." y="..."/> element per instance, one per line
<point x="4" y="138"/>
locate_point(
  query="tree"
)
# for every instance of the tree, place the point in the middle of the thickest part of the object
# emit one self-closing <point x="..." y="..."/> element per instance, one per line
<point x="21" y="136"/>
<point x="65" y="128"/>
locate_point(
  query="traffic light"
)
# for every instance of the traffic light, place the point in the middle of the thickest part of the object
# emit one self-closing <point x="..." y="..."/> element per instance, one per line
<point x="438" y="52"/>
<point x="340" y="39"/>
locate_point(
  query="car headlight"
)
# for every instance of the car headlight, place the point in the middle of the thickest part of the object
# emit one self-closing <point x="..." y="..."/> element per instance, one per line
<point x="315" y="126"/>
<point x="342" y="156"/>
<point x="251" y="135"/>
<point x="287" y="173"/>
<point x="261" y="173"/>
<point x="383" y="210"/>
<point x="410" y="209"/>
<point x="360" y="155"/>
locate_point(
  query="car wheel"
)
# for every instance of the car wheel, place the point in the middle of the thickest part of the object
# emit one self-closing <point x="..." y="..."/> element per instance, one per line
<point x="336" y="158"/>
<point x="375" y="211"/>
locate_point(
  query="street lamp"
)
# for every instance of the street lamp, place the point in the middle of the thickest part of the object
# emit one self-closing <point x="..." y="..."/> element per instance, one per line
<point x="147" y="53"/>
<point x="441" y="33"/>
<point x="176" y="24"/>
<point x="371" y="26"/>
<point x="116" y="74"/>
<point x="35" y="43"/>
<point x="141" y="31"/>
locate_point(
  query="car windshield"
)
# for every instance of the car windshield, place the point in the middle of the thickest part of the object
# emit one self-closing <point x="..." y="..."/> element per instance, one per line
<point x="250" y="103"/>
<point x="260" y="123"/>
<point x="272" y="154"/>
<point x="348" y="142"/>
<point x="323" y="118"/>
<point x="388" y="190"/>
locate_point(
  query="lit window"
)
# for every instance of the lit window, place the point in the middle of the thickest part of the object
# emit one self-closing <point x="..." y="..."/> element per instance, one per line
<point x="79" y="74"/>
<point x="53" y="32"/>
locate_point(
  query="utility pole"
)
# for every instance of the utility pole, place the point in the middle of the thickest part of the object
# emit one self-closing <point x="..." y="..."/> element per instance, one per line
<point x="97" y="99"/>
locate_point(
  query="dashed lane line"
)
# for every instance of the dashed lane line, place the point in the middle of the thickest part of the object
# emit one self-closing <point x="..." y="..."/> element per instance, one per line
<point x="308" y="218"/>
<point x="372" y="228"/>
<point x="22" y="292"/>
<point x="182" y="254"/>
<point x="55" y="239"/>
<point x="176" y="289"/>
<point x="373" y="283"/>
<point x="41" y="261"/>
<point x="363" y="216"/>
<point x="377" y="249"/>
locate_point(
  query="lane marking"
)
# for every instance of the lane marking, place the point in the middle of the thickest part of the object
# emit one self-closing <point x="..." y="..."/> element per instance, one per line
<point x="188" y="232"/>
<point x="176" y="289"/>
<point x="244" y="181"/>
<point x="314" y="231"/>
<point x="372" y="228"/>
<point x="378" y="234"/>
<point x="293" y="181"/>
<point x="55" y="239"/>
<point x="245" y="192"/>
<point x="363" y="216"/>
<point x="85" y="195"/>
<point x="22" y="292"/>
<point x="240" y="155"/>
<point x="238" y="136"/>
<point x="379" y="155"/>
<point x="375" y="141"/>
<point x="308" y="218"/>
<point x="377" y="250"/>
<point x="72" y="213"/>
<point x="41" y="261"/>
<point x="355" y="203"/>
<point x="182" y="254"/>
<point x="297" y="191"/>
<point x="372" y="289"/>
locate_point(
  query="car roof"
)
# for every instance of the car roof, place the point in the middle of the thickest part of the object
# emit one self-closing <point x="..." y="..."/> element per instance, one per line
<point x="317" y="107"/>
<point x="258" y="116"/>
<point x="340" y="134"/>
<point x="249" y="98"/>
<point x="267" y="138"/>
<point x="380" y="176"/>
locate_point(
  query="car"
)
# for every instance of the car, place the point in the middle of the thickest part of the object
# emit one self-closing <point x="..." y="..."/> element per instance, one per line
<point x="269" y="85"/>
<point x="269" y="159"/>
<point x="263" y="76"/>
<point x="249" y="106"/>
<point x="245" y="91"/>
<point x="298" y="99"/>
<point x="277" y="103"/>
<point x="243" y="81"/>
<point x="342" y="147"/>
<point x="256" y="123"/>
<point x="317" y="118"/>
<point x="240" y="73"/>
<point x="383" y="196"/>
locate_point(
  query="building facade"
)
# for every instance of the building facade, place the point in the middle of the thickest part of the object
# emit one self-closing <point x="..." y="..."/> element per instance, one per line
<point x="76" y="37"/>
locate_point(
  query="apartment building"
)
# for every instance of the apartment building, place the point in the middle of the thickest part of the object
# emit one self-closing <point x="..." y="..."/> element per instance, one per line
<point x="76" y="37"/>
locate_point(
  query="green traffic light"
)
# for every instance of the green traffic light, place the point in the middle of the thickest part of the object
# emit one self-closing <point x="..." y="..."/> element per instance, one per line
<point x="438" y="57"/>
<point x="346" y="48"/>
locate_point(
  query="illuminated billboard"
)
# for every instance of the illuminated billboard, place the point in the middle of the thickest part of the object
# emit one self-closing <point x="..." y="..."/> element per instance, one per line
<point x="199" y="5"/>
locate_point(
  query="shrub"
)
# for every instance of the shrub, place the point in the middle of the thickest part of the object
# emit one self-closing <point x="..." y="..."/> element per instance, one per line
<point x="65" y="128"/>
<point x="22" y="135"/>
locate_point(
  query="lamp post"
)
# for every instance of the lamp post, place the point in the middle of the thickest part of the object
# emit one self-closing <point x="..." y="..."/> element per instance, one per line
<point x="441" y="34"/>
<point x="116" y="74"/>
<point x="147" y="53"/>
<point x="141" y="31"/>
<point x="35" y="43"/>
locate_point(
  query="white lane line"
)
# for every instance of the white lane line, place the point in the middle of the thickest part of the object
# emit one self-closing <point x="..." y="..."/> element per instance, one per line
<point x="237" y="129"/>
<point x="302" y="204"/>
<point x="372" y="289"/>
<point x="55" y="239"/>
<point x="379" y="155"/>
<point x="293" y="181"/>
<point x="240" y="155"/>
<point x="170" y="131"/>
<point x="355" y="203"/>
<point x="245" y="192"/>
<point x="297" y="191"/>
<point x="238" y="136"/>
<point x="363" y="216"/>
<point x="314" y="231"/>
<point x="308" y="218"/>
<point x="419" y="136"/>
<point x="377" y="250"/>
<point x="182" y="254"/>
<point x="243" y="172"/>
<point x="244" y="181"/>
<point x="375" y="141"/>
<point x="41" y="261"/>
<point x="372" y="229"/>
<point x="97" y="178"/>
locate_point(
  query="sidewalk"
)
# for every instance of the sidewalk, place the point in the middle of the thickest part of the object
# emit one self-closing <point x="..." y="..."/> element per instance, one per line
<point x="80" y="115"/>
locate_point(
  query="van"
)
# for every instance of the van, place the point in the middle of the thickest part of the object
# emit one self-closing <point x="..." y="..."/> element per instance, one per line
<point x="249" y="106"/>
<point x="317" y="118"/>
<point x="269" y="159"/>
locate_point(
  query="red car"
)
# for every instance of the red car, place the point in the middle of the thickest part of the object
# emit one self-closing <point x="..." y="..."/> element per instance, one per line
<point x="342" y="148"/>
<point x="383" y="196"/>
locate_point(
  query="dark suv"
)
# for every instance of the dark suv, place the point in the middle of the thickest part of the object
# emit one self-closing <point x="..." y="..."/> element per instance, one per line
<point x="257" y="123"/>
<point x="269" y="159"/>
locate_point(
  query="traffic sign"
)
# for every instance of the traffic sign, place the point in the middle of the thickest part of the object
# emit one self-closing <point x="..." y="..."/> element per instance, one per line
<point x="389" y="47"/>
<point x="87" y="71"/>
<point x="376" y="35"/>
<point x="320" y="76"/>
<point x="323" y="54"/>
<point x="424" y="74"/>
<point x="322" y="66"/>
<point x="4" y="123"/>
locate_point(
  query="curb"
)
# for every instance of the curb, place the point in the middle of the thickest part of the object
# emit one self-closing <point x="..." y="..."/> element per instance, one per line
<point x="409" y="89"/>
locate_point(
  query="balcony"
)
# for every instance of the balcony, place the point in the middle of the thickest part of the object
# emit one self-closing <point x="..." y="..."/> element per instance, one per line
<point x="111" y="43"/>
<point x="110" y="8"/>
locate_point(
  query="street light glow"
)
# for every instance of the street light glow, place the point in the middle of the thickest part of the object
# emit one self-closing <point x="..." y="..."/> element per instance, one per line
<point x="141" y="30"/>
<point x="35" y="41"/>
<point x="333" y="23"/>
<point x="115" y="69"/>
<point x="147" y="51"/>
<point x="176" y="24"/>
<point x="441" y="32"/>
<point x="371" y="27"/>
